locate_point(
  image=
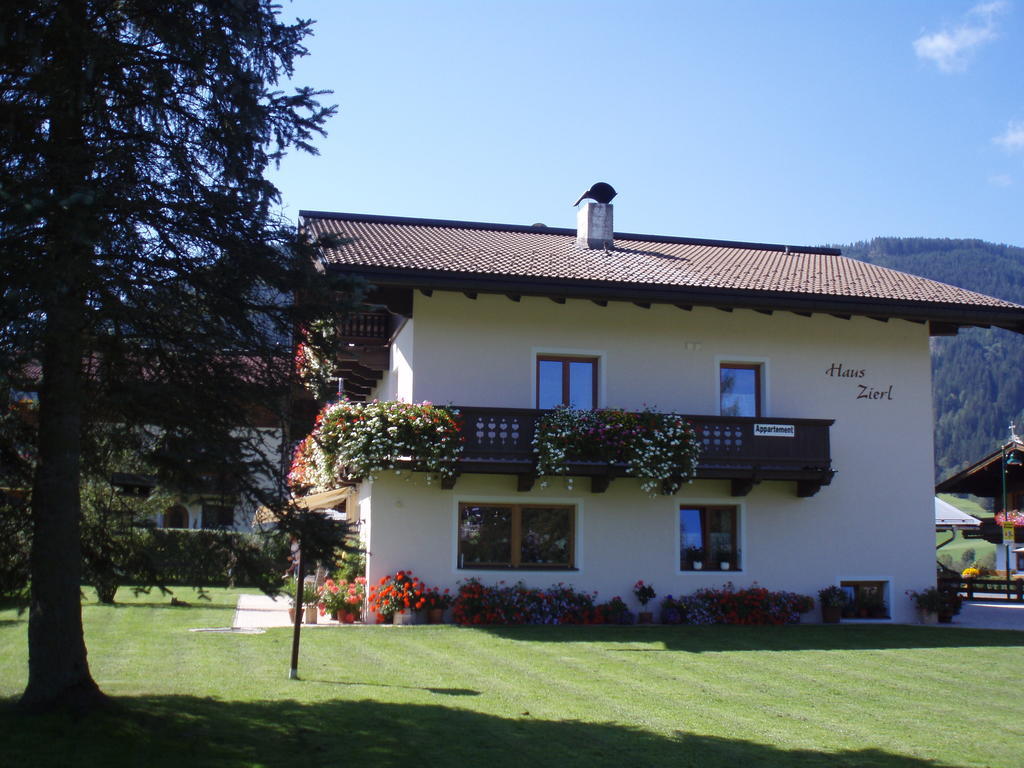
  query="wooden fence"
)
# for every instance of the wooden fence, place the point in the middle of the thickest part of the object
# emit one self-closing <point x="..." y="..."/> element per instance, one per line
<point x="973" y="588"/>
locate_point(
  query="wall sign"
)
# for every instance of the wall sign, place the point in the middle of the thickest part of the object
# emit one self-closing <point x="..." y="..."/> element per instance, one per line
<point x="774" y="430"/>
<point x="864" y="391"/>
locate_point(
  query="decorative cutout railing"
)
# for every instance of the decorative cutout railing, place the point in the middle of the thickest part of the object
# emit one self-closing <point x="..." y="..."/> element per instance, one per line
<point x="744" y="450"/>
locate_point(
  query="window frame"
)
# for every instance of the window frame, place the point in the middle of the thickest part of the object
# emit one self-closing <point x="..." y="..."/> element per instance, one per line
<point x="857" y="587"/>
<point x="565" y="360"/>
<point x="736" y="558"/>
<point x="515" y="537"/>
<point x="758" y="367"/>
<point x="221" y="514"/>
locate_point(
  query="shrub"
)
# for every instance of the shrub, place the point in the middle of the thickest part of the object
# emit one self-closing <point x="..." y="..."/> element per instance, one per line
<point x="752" y="605"/>
<point x="208" y="558"/>
<point x="477" y="603"/>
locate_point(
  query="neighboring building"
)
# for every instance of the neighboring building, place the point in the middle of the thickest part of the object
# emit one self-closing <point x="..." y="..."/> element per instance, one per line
<point x="1000" y="477"/>
<point x="806" y="374"/>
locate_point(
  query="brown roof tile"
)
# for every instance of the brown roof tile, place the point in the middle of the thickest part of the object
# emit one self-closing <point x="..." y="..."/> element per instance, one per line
<point x="381" y="243"/>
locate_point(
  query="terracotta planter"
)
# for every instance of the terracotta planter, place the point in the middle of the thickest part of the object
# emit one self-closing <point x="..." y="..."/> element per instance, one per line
<point x="928" y="617"/>
<point x="435" y="616"/>
<point x="311" y="612"/>
<point x="645" y="617"/>
<point x="830" y="614"/>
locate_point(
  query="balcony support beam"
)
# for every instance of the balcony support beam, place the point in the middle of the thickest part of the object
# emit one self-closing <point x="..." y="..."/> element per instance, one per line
<point x="741" y="486"/>
<point x="525" y="481"/>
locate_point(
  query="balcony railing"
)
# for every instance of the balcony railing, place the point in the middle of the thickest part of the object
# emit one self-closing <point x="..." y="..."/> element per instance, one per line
<point x="745" y="451"/>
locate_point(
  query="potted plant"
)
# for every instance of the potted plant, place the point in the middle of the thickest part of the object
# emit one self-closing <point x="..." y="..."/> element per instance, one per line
<point x="436" y="603"/>
<point x="615" y="611"/>
<point x="722" y="557"/>
<point x="929" y="602"/>
<point x="695" y="557"/>
<point x="874" y="606"/>
<point x="644" y="593"/>
<point x="310" y="599"/>
<point x="951" y="603"/>
<point x="397" y="598"/>
<point x="670" y="611"/>
<point x="342" y="599"/>
<point x="832" y="599"/>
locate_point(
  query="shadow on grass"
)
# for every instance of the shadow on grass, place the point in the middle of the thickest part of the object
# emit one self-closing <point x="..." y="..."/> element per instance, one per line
<point x="357" y="684"/>
<point x="718" y="638"/>
<point x="181" y="730"/>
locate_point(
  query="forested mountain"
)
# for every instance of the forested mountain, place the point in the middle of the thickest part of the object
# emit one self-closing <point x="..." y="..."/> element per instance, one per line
<point x="978" y="375"/>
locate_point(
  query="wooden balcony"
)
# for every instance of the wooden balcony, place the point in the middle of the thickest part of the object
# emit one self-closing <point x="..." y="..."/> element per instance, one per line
<point x="745" y="451"/>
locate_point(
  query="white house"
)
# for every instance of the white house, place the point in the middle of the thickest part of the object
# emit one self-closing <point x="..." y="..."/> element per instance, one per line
<point x="805" y="373"/>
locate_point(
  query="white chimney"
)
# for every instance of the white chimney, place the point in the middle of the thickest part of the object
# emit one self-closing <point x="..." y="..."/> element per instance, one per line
<point x="594" y="226"/>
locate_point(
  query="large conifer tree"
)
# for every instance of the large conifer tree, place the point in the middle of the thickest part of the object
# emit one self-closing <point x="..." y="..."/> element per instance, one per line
<point x="142" y="266"/>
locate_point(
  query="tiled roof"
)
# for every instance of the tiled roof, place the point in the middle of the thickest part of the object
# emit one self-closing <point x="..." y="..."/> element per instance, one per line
<point x="389" y="244"/>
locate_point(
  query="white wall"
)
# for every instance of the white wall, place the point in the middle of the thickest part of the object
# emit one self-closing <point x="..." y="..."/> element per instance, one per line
<point x="396" y="383"/>
<point x="875" y="521"/>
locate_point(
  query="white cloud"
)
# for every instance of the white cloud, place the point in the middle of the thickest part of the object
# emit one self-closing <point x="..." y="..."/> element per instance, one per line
<point x="1013" y="138"/>
<point x="1000" y="180"/>
<point x="951" y="48"/>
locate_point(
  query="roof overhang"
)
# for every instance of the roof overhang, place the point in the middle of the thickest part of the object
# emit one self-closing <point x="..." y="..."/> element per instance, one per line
<point x="324" y="501"/>
<point x="984" y="478"/>
<point x="948" y="517"/>
<point x="943" y="319"/>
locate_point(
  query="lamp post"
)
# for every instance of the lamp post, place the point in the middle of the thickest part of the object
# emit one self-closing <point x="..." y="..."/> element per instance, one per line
<point x="1013" y="461"/>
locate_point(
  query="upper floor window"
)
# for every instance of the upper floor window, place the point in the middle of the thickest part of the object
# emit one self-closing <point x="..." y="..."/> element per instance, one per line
<point x="739" y="387"/>
<point x="516" y="536"/>
<point x="570" y="381"/>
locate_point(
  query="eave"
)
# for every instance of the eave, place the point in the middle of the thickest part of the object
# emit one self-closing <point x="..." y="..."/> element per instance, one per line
<point x="944" y="319"/>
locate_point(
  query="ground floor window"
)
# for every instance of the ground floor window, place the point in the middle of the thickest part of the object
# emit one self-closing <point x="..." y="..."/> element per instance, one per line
<point x="218" y="516"/>
<point x="866" y="599"/>
<point x="516" y="536"/>
<point x="709" y="538"/>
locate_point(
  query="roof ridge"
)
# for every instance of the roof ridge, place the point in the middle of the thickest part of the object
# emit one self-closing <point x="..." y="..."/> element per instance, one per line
<point x="567" y="231"/>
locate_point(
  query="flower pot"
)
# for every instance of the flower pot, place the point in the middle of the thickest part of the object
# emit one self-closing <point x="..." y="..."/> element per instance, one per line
<point x="405" y="618"/>
<point x="291" y="614"/>
<point x="435" y="616"/>
<point x="697" y="565"/>
<point x="945" y="617"/>
<point x="830" y="614"/>
<point x="645" y="617"/>
<point x="928" y="617"/>
<point x="310" y="617"/>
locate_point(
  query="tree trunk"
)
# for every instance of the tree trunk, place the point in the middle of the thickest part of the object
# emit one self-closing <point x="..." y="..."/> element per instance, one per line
<point x="58" y="672"/>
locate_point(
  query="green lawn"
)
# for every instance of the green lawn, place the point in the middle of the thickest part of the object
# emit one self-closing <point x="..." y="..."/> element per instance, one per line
<point x="902" y="697"/>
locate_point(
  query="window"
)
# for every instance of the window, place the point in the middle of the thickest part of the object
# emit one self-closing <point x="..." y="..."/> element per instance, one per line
<point x="865" y="599"/>
<point x="708" y="538"/>
<point x="516" y="536"/>
<point x="568" y="381"/>
<point x="218" y="516"/>
<point x="739" y="387"/>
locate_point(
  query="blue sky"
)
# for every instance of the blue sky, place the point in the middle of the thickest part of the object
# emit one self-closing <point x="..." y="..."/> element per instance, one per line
<point x="791" y="122"/>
